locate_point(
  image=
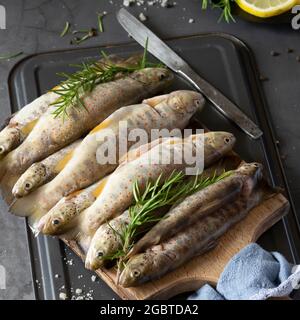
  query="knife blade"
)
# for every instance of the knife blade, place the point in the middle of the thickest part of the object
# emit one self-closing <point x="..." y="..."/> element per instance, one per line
<point x="165" y="54"/>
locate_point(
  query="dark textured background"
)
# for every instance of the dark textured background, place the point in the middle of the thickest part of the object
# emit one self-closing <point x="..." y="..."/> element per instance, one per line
<point x="34" y="25"/>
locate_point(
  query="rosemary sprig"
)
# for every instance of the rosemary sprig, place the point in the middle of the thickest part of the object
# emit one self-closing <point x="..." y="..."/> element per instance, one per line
<point x="156" y="195"/>
<point x="66" y="29"/>
<point x="10" y="55"/>
<point x="84" y="81"/>
<point x="224" y="5"/>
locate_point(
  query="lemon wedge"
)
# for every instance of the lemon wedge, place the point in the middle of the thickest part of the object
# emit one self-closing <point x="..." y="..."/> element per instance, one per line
<point x="266" y="8"/>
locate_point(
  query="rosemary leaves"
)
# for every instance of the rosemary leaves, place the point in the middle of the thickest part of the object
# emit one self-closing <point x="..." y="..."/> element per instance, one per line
<point x="75" y="85"/>
<point x="157" y="195"/>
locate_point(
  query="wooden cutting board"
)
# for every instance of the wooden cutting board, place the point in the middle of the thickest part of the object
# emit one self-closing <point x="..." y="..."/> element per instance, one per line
<point x="208" y="267"/>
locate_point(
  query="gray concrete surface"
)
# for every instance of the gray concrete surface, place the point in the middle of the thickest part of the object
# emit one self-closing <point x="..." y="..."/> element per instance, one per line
<point x="34" y="25"/>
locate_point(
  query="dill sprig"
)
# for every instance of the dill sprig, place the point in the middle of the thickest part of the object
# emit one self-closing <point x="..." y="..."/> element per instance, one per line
<point x="72" y="89"/>
<point x="157" y="195"/>
<point x="224" y="5"/>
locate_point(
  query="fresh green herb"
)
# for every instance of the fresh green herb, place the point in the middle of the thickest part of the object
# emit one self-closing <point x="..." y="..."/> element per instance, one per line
<point x="144" y="58"/>
<point x="10" y="55"/>
<point x="224" y="5"/>
<point x="83" y="81"/>
<point x="157" y="194"/>
<point x="66" y="29"/>
<point x="80" y="31"/>
<point x="100" y="21"/>
<point x="89" y="34"/>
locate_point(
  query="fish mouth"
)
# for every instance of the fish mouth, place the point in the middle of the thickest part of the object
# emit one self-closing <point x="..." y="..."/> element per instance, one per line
<point x="18" y="192"/>
<point x="91" y="264"/>
<point x="124" y="281"/>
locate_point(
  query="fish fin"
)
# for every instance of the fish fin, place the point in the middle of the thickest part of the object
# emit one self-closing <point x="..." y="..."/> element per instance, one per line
<point x="209" y="246"/>
<point x="152" y="102"/>
<point x="135" y="153"/>
<point x="84" y="243"/>
<point x="30" y="205"/>
<point x="34" y="219"/>
<point x="79" y="237"/>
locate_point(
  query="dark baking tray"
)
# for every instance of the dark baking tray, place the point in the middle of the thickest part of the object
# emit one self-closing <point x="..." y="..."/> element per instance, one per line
<point x="225" y="62"/>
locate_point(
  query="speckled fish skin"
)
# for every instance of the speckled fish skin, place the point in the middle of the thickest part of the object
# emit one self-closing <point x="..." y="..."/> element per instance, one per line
<point x="117" y="194"/>
<point x="51" y="134"/>
<point x="22" y="122"/>
<point x="42" y="172"/>
<point x="190" y="242"/>
<point x="106" y="240"/>
<point x="202" y="203"/>
<point x="170" y="111"/>
<point x="61" y="217"/>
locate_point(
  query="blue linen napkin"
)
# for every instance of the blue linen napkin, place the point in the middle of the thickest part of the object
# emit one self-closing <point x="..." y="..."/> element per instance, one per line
<point x="253" y="274"/>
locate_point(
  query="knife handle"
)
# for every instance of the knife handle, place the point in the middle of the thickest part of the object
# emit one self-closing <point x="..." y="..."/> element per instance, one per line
<point x="222" y="103"/>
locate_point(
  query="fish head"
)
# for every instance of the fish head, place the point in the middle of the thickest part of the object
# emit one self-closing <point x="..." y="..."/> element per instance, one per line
<point x="9" y="139"/>
<point x="253" y="173"/>
<point x="253" y="169"/>
<point x="185" y="101"/>
<point x="154" y="77"/>
<point x="58" y="218"/>
<point x="137" y="270"/>
<point x="216" y="144"/>
<point x="32" y="178"/>
<point x="103" y="246"/>
<point x="220" y="141"/>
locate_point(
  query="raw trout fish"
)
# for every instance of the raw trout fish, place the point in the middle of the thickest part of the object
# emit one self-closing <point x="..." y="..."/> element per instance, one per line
<point x="20" y="124"/>
<point x="61" y="217"/>
<point x="51" y="134"/>
<point x="106" y="241"/>
<point x="189" y="242"/>
<point x="117" y="194"/>
<point x="43" y="171"/>
<point x="202" y="203"/>
<point x="163" y="112"/>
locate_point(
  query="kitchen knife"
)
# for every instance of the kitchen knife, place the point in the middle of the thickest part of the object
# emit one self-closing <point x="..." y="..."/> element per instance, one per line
<point x="161" y="51"/>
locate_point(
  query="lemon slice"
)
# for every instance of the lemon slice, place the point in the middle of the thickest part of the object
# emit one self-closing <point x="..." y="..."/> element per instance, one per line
<point x="266" y="8"/>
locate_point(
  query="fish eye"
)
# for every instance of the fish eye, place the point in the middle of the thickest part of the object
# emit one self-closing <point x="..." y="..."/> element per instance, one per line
<point x="197" y="103"/>
<point x="161" y="76"/>
<point x="55" y="222"/>
<point x="255" y="165"/>
<point x="99" y="254"/>
<point x="227" y="140"/>
<point x="136" y="273"/>
<point x="27" y="186"/>
<point x="2" y="149"/>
